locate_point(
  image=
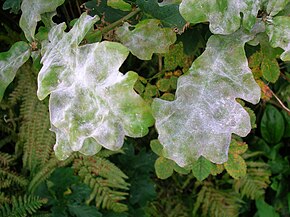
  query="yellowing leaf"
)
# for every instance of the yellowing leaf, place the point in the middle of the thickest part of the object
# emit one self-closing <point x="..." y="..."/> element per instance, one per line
<point x="200" y="121"/>
<point x="236" y="166"/>
<point x="237" y="147"/>
<point x="10" y="62"/>
<point x="91" y="103"/>
<point x="163" y="167"/>
<point x="31" y="11"/>
<point x="146" y="38"/>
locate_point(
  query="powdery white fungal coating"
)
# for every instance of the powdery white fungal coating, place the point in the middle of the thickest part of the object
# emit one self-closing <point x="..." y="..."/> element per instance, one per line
<point x="224" y="17"/>
<point x="275" y="6"/>
<point x="31" y="11"/>
<point x="148" y="37"/>
<point x="92" y="104"/>
<point x="278" y="31"/>
<point x="10" y="62"/>
<point x="200" y="121"/>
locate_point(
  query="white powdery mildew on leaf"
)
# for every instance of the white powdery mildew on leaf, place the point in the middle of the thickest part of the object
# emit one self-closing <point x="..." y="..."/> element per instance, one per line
<point x="224" y="17"/>
<point x="31" y="11"/>
<point x="91" y="103"/>
<point x="200" y="121"/>
<point x="10" y="62"/>
<point x="275" y="6"/>
<point x="278" y="31"/>
<point x="146" y="38"/>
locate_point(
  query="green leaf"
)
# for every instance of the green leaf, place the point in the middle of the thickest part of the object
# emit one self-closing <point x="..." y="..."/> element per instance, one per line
<point x="87" y="110"/>
<point x="146" y="38"/>
<point x="287" y="124"/>
<point x="14" y="5"/>
<point x="119" y="4"/>
<point x="278" y="31"/>
<point x="31" y="11"/>
<point x="82" y="210"/>
<point x="201" y="168"/>
<point x="200" y="121"/>
<point x="168" y="97"/>
<point x="270" y="69"/>
<point x="236" y="166"/>
<point x="10" y="62"/>
<point x="163" y="167"/>
<point x="265" y="209"/>
<point x="101" y="9"/>
<point x="168" y="14"/>
<point x="272" y="125"/>
<point x="163" y="84"/>
<point x="224" y="17"/>
<point x="156" y="147"/>
<point x="174" y="58"/>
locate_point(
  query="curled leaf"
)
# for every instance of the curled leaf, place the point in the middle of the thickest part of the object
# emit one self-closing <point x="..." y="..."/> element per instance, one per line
<point x="10" y="62"/>
<point x="146" y="38"/>
<point x="31" y="11"/>
<point x="200" y="121"/>
<point x="91" y="103"/>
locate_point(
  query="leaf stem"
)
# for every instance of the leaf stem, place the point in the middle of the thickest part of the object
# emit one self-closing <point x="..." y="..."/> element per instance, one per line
<point x="118" y="22"/>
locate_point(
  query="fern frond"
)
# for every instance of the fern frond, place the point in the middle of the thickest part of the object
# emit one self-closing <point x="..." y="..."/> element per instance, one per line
<point x="106" y="181"/>
<point x="6" y="159"/>
<point x="5" y="183"/>
<point x="3" y="198"/>
<point x="5" y="173"/>
<point x="45" y="172"/>
<point x="34" y="136"/>
<point x="217" y="203"/>
<point x="22" y="206"/>
<point x="253" y="185"/>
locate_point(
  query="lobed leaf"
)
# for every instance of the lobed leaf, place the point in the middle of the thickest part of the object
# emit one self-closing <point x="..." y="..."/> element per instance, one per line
<point x="91" y="104"/>
<point x="224" y="17"/>
<point x="204" y="114"/>
<point x="10" y="62"/>
<point x="278" y="31"/>
<point x="146" y="38"/>
<point x="31" y="11"/>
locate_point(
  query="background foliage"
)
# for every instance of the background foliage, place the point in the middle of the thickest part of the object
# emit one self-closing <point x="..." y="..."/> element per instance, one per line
<point x="138" y="180"/>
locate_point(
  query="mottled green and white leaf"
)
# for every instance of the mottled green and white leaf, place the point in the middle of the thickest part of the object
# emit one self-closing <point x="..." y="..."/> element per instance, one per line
<point x="146" y="38"/>
<point x="224" y="17"/>
<point x="200" y="121"/>
<point x="31" y="14"/>
<point x="92" y="104"/>
<point x="10" y="62"/>
<point x="278" y="31"/>
<point x="275" y="6"/>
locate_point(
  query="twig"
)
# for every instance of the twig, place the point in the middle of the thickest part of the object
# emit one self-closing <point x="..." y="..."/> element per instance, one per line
<point x="119" y="22"/>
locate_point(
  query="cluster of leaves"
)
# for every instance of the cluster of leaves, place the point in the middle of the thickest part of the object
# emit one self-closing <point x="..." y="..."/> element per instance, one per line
<point x="114" y="68"/>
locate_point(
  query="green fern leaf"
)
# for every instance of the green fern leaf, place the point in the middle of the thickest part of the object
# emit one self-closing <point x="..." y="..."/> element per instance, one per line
<point x="106" y="181"/>
<point x="22" y="206"/>
<point x="253" y="185"/>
